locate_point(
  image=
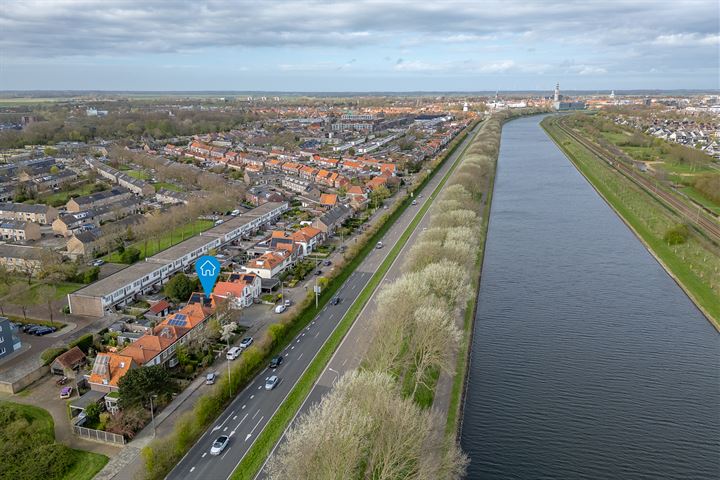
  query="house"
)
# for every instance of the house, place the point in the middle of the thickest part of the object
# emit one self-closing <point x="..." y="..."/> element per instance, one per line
<point x="241" y="289"/>
<point x="21" y="258"/>
<point x="70" y="361"/>
<point x="83" y="243"/>
<point x="42" y="214"/>
<point x="107" y="371"/>
<point x="164" y="195"/>
<point x="270" y="264"/>
<point x="308" y="239"/>
<point x="333" y="218"/>
<point x="377" y="182"/>
<point x="259" y="195"/>
<point x="328" y="200"/>
<point x="19" y="231"/>
<point x="9" y="340"/>
<point x="98" y="199"/>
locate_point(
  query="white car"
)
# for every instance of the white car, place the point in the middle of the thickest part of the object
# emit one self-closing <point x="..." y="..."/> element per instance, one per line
<point x="246" y="342"/>
<point x="271" y="382"/>
<point x="280" y="308"/>
<point x="219" y="445"/>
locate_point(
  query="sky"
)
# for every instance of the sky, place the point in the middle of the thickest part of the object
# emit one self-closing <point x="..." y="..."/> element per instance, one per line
<point x="422" y="45"/>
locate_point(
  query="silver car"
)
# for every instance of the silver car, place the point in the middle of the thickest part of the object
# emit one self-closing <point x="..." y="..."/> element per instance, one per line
<point x="271" y="382"/>
<point x="219" y="445"/>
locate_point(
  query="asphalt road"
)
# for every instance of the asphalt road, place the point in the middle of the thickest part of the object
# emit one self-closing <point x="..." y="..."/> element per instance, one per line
<point x="247" y="415"/>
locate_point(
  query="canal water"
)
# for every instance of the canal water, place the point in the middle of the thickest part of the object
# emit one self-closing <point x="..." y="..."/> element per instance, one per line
<point x="588" y="361"/>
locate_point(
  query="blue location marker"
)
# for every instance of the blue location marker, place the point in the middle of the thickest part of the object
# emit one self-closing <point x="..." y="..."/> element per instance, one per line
<point x="208" y="270"/>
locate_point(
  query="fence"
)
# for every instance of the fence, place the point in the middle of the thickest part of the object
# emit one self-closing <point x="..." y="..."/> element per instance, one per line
<point x="98" y="435"/>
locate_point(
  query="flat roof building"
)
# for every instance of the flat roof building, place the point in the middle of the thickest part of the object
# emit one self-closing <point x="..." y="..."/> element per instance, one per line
<point x="123" y="286"/>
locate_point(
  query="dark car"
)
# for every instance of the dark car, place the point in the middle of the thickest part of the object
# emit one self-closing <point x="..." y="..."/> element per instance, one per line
<point x="327" y="263"/>
<point x="32" y="329"/>
<point x="276" y="361"/>
<point x="26" y="328"/>
<point x="318" y="272"/>
<point x="335" y="300"/>
<point x="43" y="331"/>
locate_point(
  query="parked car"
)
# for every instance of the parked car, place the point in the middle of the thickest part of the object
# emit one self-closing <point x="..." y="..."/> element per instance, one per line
<point x="235" y="213"/>
<point x="61" y="381"/>
<point x="414" y="202"/>
<point x="280" y="308"/>
<point x="99" y="262"/>
<point x="210" y="378"/>
<point x="233" y="353"/>
<point x="219" y="445"/>
<point x="219" y="222"/>
<point x="276" y="361"/>
<point x="26" y="328"/>
<point x="271" y="382"/>
<point x="335" y="300"/>
<point x="318" y="272"/>
<point x="246" y="342"/>
<point x="287" y="302"/>
<point x="43" y="331"/>
<point x="327" y="263"/>
<point x="66" y="392"/>
<point x="379" y="245"/>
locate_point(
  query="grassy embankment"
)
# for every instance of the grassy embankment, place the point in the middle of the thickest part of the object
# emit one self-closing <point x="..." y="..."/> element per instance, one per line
<point x="36" y="446"/>
<point x="256" y="455"/>
<point x="695" y="264"/>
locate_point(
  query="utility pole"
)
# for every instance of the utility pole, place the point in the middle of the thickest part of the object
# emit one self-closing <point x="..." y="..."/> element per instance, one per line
<point x="152" y="414"/>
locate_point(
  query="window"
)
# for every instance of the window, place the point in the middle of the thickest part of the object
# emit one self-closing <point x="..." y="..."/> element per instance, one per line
<point x="2" y="351"/>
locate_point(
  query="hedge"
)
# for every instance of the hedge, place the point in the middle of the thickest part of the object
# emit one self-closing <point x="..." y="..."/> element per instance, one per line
<point x="84" y="343"/>
<point x="49" y="355"/>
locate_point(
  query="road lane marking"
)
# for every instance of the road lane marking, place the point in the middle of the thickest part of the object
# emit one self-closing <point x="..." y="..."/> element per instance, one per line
<point x="252" y="396"/>
<point x="316" y="335"/>
<point x="191" y="470"/>
<point x="344" y="362"/>
<point x="243" y="407"/>
<point x="235" y="417"/>
<point x="293" y="347"/>
<point x="253" y="430"/>
<point x="203" y="455"/>
<point x="253" y="417"/>
<point x="300" y="356"/>
<point x="225" y="429"/>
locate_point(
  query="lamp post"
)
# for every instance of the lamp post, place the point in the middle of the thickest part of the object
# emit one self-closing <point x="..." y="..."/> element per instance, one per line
<point x="152" y="414"/>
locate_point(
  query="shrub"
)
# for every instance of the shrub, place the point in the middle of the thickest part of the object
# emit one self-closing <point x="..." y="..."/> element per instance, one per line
<point x="51" y="354"/>
<point x="84" y="343"/>
<point x="677" y="235"/>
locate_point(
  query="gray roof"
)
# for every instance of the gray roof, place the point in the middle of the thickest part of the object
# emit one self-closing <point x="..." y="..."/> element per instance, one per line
<point x="20" y="251"/>
<point x="335" y="214"/>
<point x="13" y="224"/>
<point x="23" y="207"/>
<point x="94" y="197"/>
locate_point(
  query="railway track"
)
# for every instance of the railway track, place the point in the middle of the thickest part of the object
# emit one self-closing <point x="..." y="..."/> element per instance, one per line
<point x="692" y="215"/>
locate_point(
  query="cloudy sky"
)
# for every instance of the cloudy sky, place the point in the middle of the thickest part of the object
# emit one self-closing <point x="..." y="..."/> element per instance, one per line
<point x="358" y="45"/>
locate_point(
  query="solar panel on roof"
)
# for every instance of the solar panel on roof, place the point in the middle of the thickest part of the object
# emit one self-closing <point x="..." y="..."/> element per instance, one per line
<point x="175" y="322"/>
<point x="181" y="316"/>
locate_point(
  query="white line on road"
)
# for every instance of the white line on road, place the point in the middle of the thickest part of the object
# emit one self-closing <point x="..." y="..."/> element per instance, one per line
<point x="252" y="396"/>
<point x="253" y="417"/>
<point x="203" y="455"/>
<point x="225" y="429"/>
<point x="191" y="470"/>
<point x="235" y="417"/>
<point x="299" y="356"/>
<point x="344" y="362"/>
<point x="316" y="335"/>
<point x="243" y="407"/>
<point x="251" y="431"/>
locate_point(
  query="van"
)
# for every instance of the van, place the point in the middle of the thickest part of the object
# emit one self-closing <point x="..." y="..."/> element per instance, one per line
<point x="233" y="353"/>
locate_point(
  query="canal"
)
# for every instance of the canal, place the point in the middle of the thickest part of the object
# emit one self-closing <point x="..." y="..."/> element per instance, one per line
<point x="588" y="361"/>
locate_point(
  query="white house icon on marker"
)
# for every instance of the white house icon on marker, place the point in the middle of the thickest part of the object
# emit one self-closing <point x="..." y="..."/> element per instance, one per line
<point x="207" y="269"/>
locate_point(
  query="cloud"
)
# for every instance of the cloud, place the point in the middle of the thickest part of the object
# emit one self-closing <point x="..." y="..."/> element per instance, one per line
<point x="42" y="28"/>
<point x="687" y="40"/>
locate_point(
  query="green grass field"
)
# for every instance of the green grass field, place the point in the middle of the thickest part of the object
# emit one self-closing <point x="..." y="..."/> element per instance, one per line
<point x="139" y="174"/>
<point x="707" y="203"/>
<point x="167" y="186"/>
<point x="166" y="241"/>
<point x="695" y="263"/>
<point x="61" y="198"/>
<point x="85" y="465"/>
